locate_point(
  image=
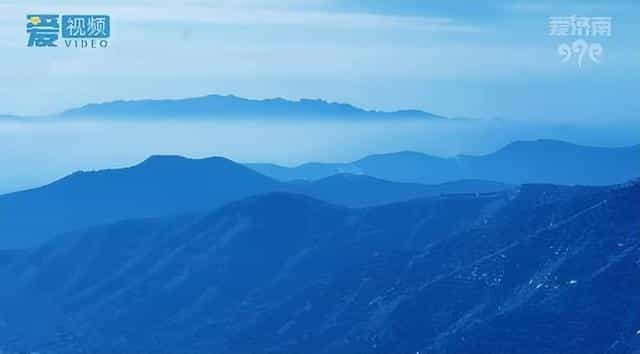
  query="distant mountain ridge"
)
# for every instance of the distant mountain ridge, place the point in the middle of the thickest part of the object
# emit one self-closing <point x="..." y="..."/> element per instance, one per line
<point x="170" y="185"/>
<point x="363" y="191"/>
<point x="232" y="106"/>
<point x="539" y="161"/>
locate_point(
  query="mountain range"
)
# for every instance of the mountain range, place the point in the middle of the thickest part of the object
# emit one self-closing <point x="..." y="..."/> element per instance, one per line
<point x="537" y="269"/>
<point x="539" y="161"/>
<point x="171" y="185"/>
<point x="230" y="106"/>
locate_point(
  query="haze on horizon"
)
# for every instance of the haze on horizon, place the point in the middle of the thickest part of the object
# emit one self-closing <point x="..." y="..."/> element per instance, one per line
<point x="36" y="153"/>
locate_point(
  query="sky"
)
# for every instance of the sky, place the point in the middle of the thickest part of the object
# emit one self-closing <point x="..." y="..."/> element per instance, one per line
<point x="494" y="59"/>
<point x="491" y="59"/>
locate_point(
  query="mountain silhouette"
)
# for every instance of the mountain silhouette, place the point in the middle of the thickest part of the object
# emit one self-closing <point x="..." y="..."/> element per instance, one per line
<point x="540" y="269"/>
<point x="161" y="185"/>
<point x="171" y="185"/>
<point x="540" y="161"/>
<point x="360" y="190"/>
<point x="217" y="106"/>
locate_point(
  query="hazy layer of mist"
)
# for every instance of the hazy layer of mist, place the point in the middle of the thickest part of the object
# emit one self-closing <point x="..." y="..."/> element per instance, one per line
<point x="36" y="153"/>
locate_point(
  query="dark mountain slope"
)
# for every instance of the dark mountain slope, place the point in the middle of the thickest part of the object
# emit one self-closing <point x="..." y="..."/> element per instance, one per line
<point x="546" y="269"/>
<point x="161" y="185"/>
<point x="170" y="185"/>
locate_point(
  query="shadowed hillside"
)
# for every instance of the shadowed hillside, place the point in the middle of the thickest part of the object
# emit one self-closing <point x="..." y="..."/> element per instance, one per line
<point x="545" y="269"/>
<point x="170" y="185"/>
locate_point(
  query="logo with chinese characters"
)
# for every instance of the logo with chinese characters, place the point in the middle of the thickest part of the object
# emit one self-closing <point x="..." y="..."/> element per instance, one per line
<point x="580" y="29"/>
<point x="76" y="31"/>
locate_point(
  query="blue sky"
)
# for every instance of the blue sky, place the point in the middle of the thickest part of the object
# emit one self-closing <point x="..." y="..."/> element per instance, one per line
<point x="489" y="59"/>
